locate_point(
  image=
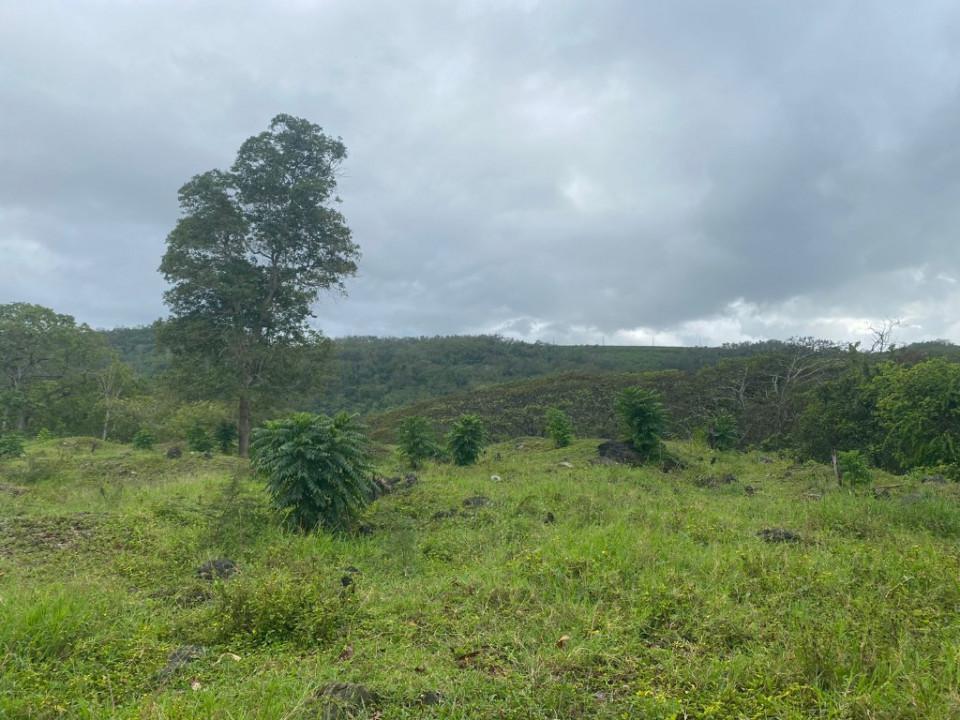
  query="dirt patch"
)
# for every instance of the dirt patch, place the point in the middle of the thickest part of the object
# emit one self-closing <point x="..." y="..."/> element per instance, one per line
<point x="218" y="569"/>
<point x="476" y="501"/>
<point x="340" y="701"/>
<point x="386" y="485"/>
<point x="619" y="452"/>
<point x="45" y="534"/>
<point x="778" y="535"/>
<point x="713" y="481"/>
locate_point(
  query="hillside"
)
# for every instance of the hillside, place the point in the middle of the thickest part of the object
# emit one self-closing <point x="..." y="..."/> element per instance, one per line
<point x="369" y="374"/>
<point x="518" y="408"/>
<point x="591" y="591"/>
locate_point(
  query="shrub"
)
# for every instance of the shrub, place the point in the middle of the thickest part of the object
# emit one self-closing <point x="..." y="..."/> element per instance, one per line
<point x="723" y="434"/>
<point x="559" y="427"/>
<point x="465" y="439"/>
<point x="276" y="607"/>
<point x="317" y="468"/>
<point x="226" y="436"/>
<point x="45" y="434"/>
<point x="11" y="445"/>
<point x="853" y="468"/>
<point x="143" y="439"/>
<point x="641" y="413"/>
<point x="417" y="441"/>
<point x="198" y="439"/>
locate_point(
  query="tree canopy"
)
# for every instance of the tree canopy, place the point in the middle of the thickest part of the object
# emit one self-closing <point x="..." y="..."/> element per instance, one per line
<point x="247" y="260"/>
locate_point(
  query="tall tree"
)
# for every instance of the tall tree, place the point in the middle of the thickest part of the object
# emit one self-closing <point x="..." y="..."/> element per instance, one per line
<point x="247" y="260"/>
<point x="44" y="357"/>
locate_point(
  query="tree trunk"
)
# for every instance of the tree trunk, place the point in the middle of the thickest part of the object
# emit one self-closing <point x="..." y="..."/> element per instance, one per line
<point x="106" y="423"/>
<point x="243" y="427"/>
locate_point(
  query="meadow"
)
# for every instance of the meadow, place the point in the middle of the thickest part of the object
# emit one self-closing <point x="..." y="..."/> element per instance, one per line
<point x="539" y="583"/>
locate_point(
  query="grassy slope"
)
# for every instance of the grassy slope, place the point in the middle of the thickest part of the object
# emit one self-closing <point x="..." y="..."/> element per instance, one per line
<point x="672" y="605"/>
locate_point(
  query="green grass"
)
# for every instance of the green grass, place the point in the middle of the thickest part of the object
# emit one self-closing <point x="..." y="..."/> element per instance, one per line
<point x="670" y="604"/>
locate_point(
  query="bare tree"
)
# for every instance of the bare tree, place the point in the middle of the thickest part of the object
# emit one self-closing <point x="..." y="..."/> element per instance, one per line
<point x="883" y="335"/>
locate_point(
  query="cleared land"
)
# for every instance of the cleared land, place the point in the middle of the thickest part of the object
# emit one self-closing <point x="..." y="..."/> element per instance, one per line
<point x="593" y="591"/>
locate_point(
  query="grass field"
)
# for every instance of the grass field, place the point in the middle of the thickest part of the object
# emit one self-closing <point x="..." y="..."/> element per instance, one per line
<point x="591" y="591"/>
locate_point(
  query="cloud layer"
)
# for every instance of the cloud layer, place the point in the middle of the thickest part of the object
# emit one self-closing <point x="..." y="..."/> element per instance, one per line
<point x="684" y="172"/>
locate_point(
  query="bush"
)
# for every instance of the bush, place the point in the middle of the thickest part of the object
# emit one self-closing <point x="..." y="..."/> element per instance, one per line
<point x="559" y="427"/>
<point x="723" y="434"/>
<point x="143" y="439"/>
<point x="853" y="468"/>
<point x="465" y="439"/>
<point x="226" y="436"/>
<point x="198" y="439"/>
<point x="417" y="440"/>
<point x="641" y="413"/>
<point x="317" y="468"/>
<point x="11" y="445"/>
<point x="277" y="607"/>
<point x="45" y="434"/>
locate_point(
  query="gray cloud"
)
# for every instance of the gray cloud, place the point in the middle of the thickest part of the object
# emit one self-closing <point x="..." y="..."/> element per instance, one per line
<point x="633" y="172"/>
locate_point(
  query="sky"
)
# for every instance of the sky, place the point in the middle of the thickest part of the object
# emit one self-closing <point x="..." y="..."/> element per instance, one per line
<point x="618" y="172"/>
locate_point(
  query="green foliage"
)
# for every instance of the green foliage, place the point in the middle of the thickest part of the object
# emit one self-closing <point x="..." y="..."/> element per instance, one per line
<point x="559" y="427"/>
<point x="11" y="445"/>
<point x="317" y="468"/>
<point x="918" y="409"/>
<point x="854" y="469"/>
<point x="417" y="440"/>
<point x="254" y="248"/>
<point x="44" y="435"/>
<point x="226" y="436"/>
<point x="276" y="607"/>
<point x="466" y="439"/>
<point x="143" y="439"/>
<point x="47" y="366"/>
<point x="723" y="433"/>
<point x="198" y="439"/>
<point x="641" y="413"/>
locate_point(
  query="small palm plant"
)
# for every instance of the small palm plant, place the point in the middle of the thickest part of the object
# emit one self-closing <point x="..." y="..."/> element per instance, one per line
<point x="317" y="469"/>
<point x="641" y="413"/>
<point x="559" y="427"/>
<point x="465" y="439"/>
<point x="416" y="440"/>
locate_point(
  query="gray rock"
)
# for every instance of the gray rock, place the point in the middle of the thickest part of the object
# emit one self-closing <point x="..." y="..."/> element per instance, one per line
<point x="217" y="569"/>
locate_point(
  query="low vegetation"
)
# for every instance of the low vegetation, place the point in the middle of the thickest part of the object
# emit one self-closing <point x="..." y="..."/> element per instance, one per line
<point x="743" y="585"/>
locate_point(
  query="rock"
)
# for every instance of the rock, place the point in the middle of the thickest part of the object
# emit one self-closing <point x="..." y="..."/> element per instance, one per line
<point x="549" y="518"/>
<point x="430" y="697"/>
<point x="619" y="452"/>
<point x="341" y="701"/>
<point x="181" y="656"/>
<point x="935" y="479"/>
<point x="174" y="452"/>
<point x="347" y="579"/>
<point x="476" y="501"/>
<point x="778" y="535"/>
<point x="365" y="529"/>
<point x="715" y="481"/>
<point x="385" y="486"/>
<point x="496" y="478"/>
<point x="218" y="569"/>
<point x="443" y="514"/>
<point x="750" y="490"/>
<point x="565" y="464"/>
<point x="207" y="455"/>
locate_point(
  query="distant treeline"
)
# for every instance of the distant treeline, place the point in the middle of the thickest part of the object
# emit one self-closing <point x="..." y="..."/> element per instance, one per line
<point x="370" y="374"/>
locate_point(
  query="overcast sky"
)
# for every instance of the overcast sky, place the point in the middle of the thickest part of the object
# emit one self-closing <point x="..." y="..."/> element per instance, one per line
<point x="621" y="172"/>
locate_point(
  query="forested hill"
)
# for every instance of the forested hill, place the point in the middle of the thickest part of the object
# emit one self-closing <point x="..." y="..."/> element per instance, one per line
<point x="368" y="374"/>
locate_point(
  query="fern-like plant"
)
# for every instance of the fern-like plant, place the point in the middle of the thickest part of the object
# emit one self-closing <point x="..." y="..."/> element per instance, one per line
<point x="417" y="441"/>
<point x="143" y="439"/>
<point x="317" y="469"/>
<point x="465" y="439"/>
<point x="559" y="427"/>
<point x="723" y="434"/>
<point x="641" y="413"/>
<point x="11" y="445"/>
